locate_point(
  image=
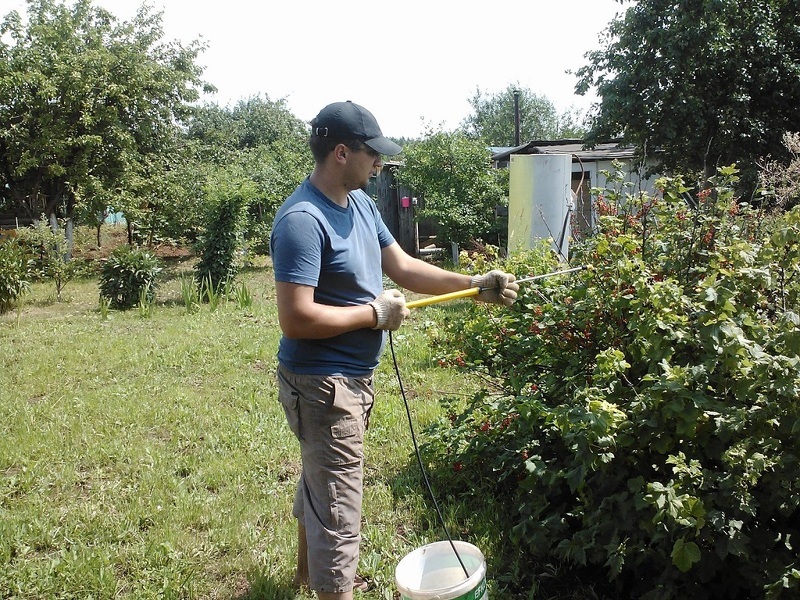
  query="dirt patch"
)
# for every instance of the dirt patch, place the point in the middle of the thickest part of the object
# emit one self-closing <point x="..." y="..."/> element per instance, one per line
<point x="172" y="252"/>
<point x="114" y="237"/>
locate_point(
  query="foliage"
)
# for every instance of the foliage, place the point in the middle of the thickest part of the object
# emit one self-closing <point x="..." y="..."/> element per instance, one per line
<point x="88" y="107"/>
<point x="190" y="295"/>
<point x="645" y="421"/>
<point x="223" y="233"/>
<point x="129" y="277"/>
<point x="781" y="182"/>
<point x="264" y="141"/>
<point x="708" y="83"/>
<point x="251" y="123"/>
<point x="275" y="172"/>
<point x="14" y="271"/>
<point x="164" y="199"/>
<point x="242" y="295"/>
<point x="493" y="118"/>
<point x="460" y="190"/>
<point x="50" y="255"/>
<point x="146" y="301"/>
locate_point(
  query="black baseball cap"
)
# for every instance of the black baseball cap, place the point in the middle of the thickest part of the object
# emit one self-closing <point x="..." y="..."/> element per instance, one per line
<point x="348" y="120"/>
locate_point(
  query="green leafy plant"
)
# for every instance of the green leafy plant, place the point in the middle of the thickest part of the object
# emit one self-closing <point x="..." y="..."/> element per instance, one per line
<point x="242" y="295"/>
<point x="223" y="235"/>
<point x="212" y="293"/>
<point x="190" y="295"/>
<point x="459" y="186"/>
<point x="643" y="417"/>
<point x="146" y="300"/>
<point x="103" y="306"/>
<point x="126" y="274"/>
<point x="49" y="250"/>
<point x="14" y="271"/>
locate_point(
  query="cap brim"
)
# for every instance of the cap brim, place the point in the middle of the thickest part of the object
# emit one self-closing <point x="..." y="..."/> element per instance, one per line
<point x="384" y="146"/>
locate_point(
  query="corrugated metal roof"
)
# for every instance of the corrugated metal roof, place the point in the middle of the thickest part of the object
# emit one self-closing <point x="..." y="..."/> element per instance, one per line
<point x="607" y="151"/>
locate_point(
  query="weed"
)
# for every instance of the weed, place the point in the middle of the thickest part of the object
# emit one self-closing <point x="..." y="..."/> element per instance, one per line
<point x="212" y="293"/>
<point x="146" y="301"/>
<point x="103" y="306"/>
<point x="242" y="296"/>
<point x="190" y="295"/>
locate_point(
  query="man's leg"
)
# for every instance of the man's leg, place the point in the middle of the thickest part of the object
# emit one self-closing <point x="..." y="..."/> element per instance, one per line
<point x="301" y="574"/>
<point x="328" y="498"/>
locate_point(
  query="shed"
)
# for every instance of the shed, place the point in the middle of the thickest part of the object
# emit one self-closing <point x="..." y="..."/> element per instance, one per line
<point x="399" y="208"/>
<point x="587" y="167"/>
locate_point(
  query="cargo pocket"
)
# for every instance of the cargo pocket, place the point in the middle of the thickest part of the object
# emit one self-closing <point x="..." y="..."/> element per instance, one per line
<point x="346" y="441"/>
<point x="333" y="499"/>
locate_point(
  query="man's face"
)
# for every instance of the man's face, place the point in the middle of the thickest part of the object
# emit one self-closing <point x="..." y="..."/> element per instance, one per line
<point x="363" y="163"/>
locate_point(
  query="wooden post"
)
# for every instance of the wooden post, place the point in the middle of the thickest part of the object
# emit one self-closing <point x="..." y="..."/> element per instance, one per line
<point x="409" y="238"/>
<point x="400" y="221"/>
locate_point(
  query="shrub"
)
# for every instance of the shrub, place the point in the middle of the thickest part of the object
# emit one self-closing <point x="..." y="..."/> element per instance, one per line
<point x="50" y="256"/>
<point x="223" y="234"/>
<point x="782" y="182"/>
<point x="460" y="189"/>
<point x="648" y="421"/>
<point x="128" y="273"/>
<point x="14" y="271"/>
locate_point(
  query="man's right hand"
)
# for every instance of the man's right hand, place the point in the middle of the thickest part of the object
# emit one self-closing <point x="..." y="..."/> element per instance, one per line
<point x="390" y="310"/>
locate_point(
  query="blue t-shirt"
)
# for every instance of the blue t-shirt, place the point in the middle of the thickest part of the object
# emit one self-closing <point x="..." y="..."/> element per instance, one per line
<point x="337" y="251"/>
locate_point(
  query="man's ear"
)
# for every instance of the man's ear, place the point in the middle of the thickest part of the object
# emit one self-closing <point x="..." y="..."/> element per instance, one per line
<point x="341" y="152"/>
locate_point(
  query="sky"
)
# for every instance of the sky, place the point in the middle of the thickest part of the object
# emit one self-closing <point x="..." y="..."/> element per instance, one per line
<point x="413" y="63"/>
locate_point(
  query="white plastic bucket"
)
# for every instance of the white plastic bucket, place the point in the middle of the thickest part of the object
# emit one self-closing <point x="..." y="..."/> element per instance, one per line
<point x="433" y="572"/>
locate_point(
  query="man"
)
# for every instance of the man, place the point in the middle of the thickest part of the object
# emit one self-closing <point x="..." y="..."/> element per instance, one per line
<point x="330" y="250"/>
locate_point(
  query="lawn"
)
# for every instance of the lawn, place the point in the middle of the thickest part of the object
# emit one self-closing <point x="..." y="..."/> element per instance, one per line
<point x="143" y="454"/>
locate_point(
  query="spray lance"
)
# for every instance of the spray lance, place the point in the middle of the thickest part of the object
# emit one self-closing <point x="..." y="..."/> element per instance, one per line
<point x="476" y="290"/>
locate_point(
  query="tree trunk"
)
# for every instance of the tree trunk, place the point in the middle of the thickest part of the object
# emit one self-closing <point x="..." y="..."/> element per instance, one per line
<point x="70" y="235"/>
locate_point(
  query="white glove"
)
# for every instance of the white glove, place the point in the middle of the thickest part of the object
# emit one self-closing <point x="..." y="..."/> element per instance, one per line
<point x="496" y="287"/>
<point x="390" y="310"/>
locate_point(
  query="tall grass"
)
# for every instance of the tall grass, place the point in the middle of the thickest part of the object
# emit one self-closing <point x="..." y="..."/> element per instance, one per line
<point x="149" y="458"/>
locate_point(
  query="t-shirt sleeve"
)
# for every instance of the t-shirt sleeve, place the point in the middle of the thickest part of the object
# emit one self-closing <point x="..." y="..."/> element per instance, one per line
<point x="385" y="237"/>
<point x="296" y="246"/>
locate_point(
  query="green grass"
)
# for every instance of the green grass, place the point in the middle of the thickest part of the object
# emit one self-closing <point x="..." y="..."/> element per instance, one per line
<point x="143" y="454"/>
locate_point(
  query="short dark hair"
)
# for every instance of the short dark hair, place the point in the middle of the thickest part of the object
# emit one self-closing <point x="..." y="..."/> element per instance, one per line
<point x="322" y="146"/>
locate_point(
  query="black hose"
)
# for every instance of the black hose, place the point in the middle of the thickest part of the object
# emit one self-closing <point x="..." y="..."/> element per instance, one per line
<point x="419" y="457"/>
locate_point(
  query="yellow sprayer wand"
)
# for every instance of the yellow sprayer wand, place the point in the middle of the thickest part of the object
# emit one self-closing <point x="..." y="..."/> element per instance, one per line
<point x="476" y="290"/>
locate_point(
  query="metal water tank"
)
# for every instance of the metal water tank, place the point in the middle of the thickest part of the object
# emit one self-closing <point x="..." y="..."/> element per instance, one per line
<point x="540" y="201"/>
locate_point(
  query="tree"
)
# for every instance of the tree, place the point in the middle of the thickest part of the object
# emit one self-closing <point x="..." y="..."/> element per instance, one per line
<point x="88" y="107"/>
<point x="494" y="118"/>
<point x="705" y="82"/>
<point x="460" y="189"/>
<point x="228" y="200"/>
<point x="251" y="123"/>
<point x="262" y="140"/>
